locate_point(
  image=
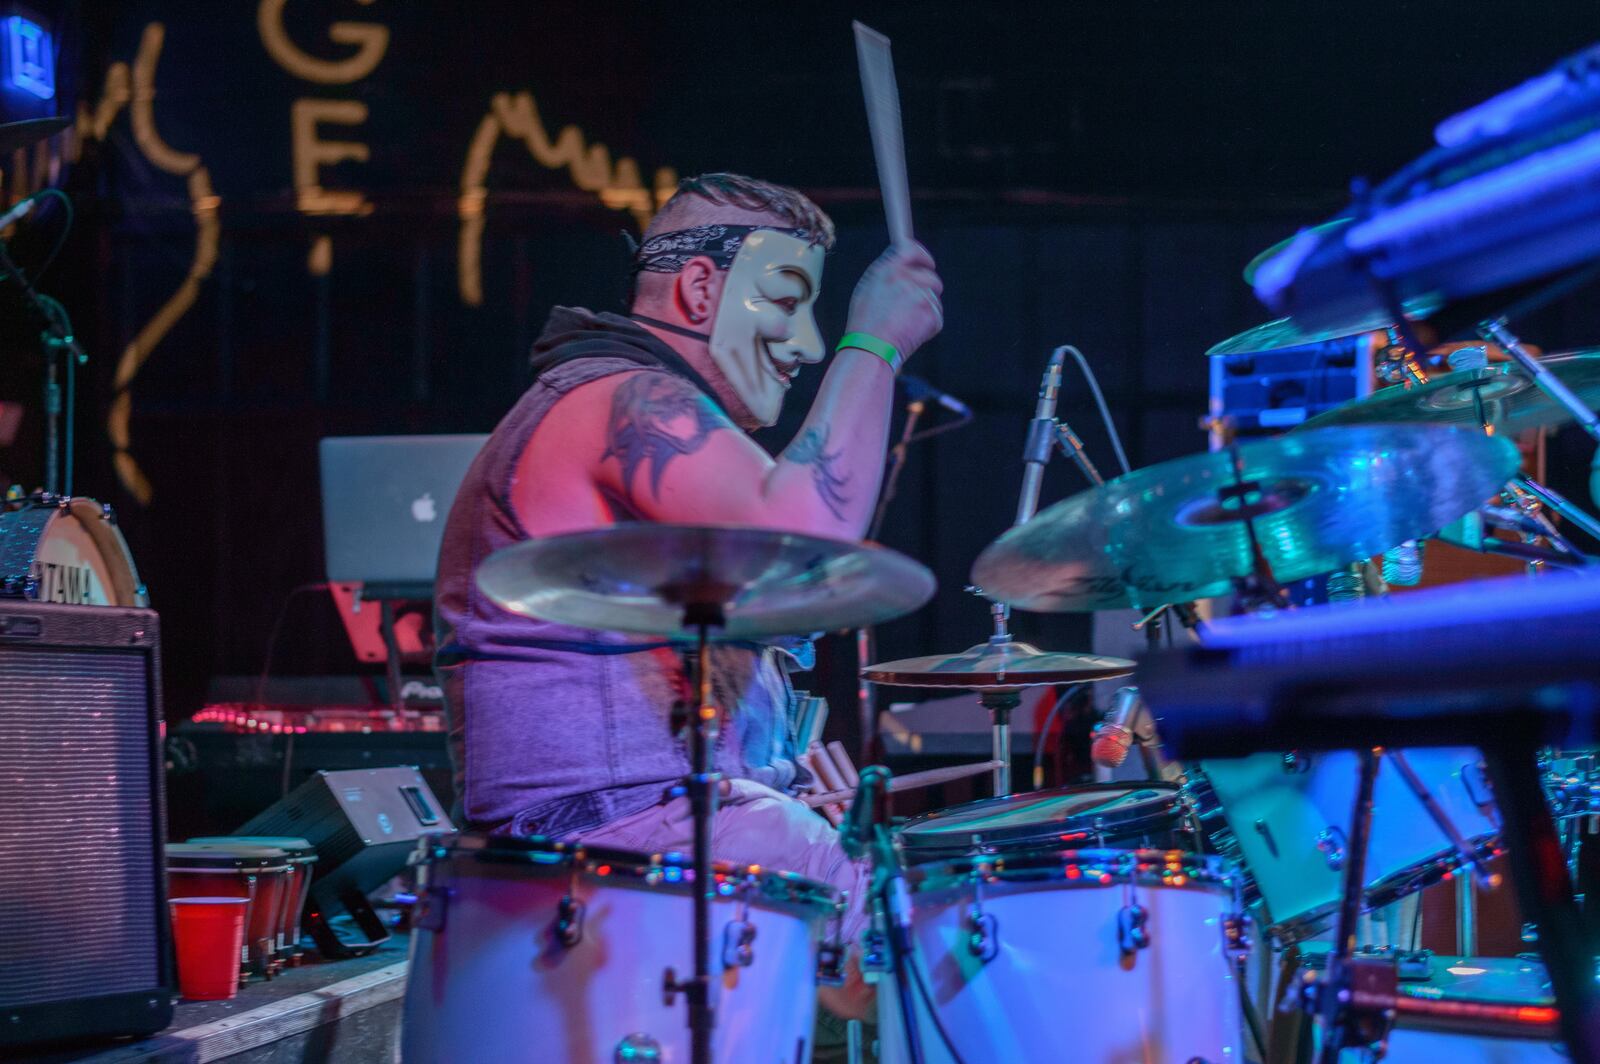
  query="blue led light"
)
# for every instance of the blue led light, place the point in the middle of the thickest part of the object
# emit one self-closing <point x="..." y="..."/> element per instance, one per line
<point x="30" y="62"/>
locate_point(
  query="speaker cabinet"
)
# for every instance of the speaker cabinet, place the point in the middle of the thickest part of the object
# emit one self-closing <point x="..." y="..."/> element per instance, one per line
<point x="84" y="948"/>
<point x="365" y="824"/>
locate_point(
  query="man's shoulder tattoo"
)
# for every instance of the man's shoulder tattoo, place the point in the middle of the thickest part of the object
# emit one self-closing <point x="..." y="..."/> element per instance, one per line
<point x="654" y="418"/>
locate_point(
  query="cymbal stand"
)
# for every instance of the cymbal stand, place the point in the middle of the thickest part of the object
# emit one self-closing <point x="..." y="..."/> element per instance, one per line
<point x="701" y="786"/>
<point x="57" y="340"/>
<point x="1260" y="588"/>
<point x="1335" y="998"/>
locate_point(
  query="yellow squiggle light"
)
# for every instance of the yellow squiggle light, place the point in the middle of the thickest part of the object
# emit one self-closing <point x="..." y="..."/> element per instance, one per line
<point x="589" y="166"/>
<point x="135" y="88"/>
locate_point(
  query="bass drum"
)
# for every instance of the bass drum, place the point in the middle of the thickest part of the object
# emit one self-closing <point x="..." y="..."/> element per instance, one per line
<point x="67" y="551"/>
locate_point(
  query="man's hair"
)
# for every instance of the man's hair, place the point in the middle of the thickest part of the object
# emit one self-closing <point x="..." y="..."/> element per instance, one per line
<point x="697" y="198"/>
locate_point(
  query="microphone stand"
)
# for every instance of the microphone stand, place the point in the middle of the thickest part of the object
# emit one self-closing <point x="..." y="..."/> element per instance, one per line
<point x="57" y="340"/>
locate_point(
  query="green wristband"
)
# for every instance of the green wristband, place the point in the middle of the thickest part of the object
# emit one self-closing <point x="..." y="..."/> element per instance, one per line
<point x="868" y="342"/>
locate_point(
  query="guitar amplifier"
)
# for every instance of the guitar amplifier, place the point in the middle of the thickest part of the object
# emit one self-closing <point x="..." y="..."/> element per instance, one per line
<point x="84" y="948"/>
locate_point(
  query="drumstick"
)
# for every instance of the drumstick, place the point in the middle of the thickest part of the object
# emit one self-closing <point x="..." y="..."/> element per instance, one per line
<point x="842" y="762"/>
<point x="883" y="121"/>
<point x="910" y="781"/>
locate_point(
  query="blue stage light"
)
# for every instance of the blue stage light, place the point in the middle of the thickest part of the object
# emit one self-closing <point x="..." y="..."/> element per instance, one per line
<point x="30" y="61"/>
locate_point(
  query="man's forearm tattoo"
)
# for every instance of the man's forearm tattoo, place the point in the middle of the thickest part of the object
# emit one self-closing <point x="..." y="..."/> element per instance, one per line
<point x="812" y="449"/>
<point x="654" y="418"/>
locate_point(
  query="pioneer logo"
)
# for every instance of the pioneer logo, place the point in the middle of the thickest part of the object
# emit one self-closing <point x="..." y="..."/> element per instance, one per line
<point x="71" y="584"/>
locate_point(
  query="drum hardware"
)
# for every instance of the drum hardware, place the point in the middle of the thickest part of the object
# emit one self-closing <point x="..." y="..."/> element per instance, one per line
<point x="568" y="926"/>
<point x="1133" y="934"/>
<point x="638" y="1049"/>
<point x="682" y="582"/>
<point x="833" y="950"/>
<point x="739" y="936"/>
<point x="982" y="929"/>
<point x="428" y="912"/>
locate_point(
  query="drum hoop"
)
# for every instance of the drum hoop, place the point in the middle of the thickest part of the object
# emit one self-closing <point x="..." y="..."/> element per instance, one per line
<point x="672" y="871"/>
<point x="1080" y="868"/>
<point x="913" y="836"/>
<point x="20" y="543"/>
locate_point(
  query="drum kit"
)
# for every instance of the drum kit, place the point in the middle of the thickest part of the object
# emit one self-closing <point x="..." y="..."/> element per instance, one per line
<point x="1118" y="912"/>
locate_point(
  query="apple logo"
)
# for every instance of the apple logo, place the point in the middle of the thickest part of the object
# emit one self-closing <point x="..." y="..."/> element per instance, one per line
<point x="422" y="509"/>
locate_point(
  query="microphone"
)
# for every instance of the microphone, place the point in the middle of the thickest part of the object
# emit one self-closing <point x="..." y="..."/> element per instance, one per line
<point x="917" y="388"/>
<point x="1041" y="436"/>
<point x="1114" y="735"/>
<point x="866" y="811"/>
<point x="19" y="211"/>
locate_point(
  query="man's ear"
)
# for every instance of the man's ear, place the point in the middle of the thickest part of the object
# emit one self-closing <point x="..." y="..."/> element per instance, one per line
<point x="698" y="289"/>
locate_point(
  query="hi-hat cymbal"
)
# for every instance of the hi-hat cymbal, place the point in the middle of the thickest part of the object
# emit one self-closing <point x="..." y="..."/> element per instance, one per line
<point x="1500" y="394"/>
<point x="643" y="577"/>
<point x="1176" y="531"/>
<point x="992" y="665"/>
<point x="14" y="135"/>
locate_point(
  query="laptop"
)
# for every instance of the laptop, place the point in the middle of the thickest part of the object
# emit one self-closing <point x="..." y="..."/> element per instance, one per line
<point x="384" y="504"/>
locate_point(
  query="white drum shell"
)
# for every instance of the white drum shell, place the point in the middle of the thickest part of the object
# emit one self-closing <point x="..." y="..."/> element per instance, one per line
<point x="492" y="984"/>
<point x="1277" y="818"/>
<point x="1060" y="987"/>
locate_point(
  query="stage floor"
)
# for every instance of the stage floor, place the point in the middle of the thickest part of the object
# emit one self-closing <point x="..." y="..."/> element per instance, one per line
<point x="338" y="1012"/>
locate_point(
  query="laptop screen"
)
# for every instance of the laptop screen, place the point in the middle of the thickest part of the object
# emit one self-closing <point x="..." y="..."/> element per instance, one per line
<point x="384" y="504"/>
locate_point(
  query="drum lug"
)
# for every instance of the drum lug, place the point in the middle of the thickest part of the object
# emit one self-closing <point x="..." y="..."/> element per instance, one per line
<point x="1236" y="941"/>
<point x="874" y="954"/>
<point x="1132" y="934"/>
<point x="739" y="936"/>
<point x="1331" y="842"/>
<point x="568" y="926"/>
<point x="983" y="940"/>
<point x="429" y="911"/>
<point x="637" y="1048"/>
<point x="1296" y="763"/>
<point x="831" y="951"/>
<point x="737" y="944"/>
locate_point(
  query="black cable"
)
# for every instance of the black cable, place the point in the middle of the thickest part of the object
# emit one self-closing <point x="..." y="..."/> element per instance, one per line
<point x="258" y="698"/>
<point x="1100" y="402"/>
<point x="61" y="237"/>
<point x="933" y="1013"/>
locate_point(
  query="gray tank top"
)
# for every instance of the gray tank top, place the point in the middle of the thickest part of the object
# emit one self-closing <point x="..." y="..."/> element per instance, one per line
<point x="555" y="729"/>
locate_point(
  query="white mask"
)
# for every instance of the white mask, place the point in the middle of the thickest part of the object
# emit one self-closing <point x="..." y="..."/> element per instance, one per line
<point x="764" y="327"/>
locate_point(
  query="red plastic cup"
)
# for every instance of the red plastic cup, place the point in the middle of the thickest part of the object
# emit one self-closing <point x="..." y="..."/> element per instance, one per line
<point x="209" y="933"/>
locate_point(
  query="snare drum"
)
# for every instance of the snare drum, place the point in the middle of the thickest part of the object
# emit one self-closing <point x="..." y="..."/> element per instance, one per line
<point x="525" y="948"/>
<point x="1100" y="956"/>
<point x="260" y="874"/>
<point x="1145" y="815"/>
<point x="66" y="550"/>
<point x="1285" y="820"/>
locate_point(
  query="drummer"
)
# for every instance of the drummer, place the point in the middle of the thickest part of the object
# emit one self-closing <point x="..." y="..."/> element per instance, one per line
<point x="569" y="733"/>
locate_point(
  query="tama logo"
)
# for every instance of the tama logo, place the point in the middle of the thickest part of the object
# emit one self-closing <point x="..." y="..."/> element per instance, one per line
<point x="71" y="584"/>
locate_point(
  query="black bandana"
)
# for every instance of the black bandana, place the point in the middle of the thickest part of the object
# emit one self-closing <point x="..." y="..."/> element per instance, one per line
<point x="671" y="252"/>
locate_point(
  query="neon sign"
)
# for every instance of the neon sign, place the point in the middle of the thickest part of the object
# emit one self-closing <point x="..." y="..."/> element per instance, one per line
<point x="30" y="60"/>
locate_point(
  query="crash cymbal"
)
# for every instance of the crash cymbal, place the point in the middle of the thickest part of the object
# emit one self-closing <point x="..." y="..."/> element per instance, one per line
<point x="1500" y="394"/>
<point x="642" y="577"/>
<point x="997" y="665"/>
<point x="14" y="135"/>
<point x="1176" y="531"/>
<point x="1321" y="230"/>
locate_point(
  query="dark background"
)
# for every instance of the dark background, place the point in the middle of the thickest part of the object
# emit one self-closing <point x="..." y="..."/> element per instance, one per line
<point x="1094" y="172"/>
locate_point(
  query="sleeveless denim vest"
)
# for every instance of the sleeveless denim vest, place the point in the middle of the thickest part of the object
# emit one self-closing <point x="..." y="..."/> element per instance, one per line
<point x="555" y="729"/>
